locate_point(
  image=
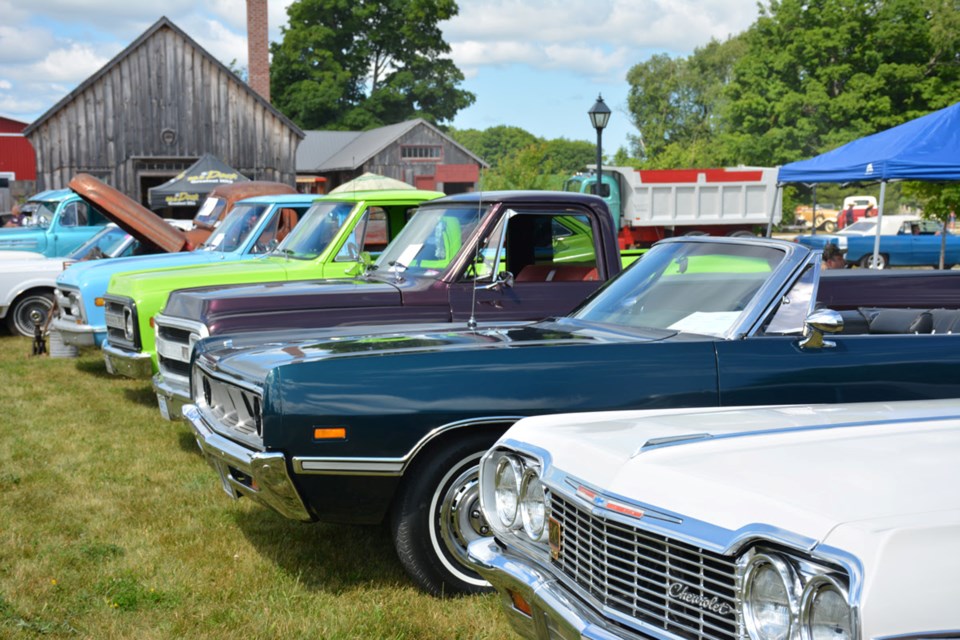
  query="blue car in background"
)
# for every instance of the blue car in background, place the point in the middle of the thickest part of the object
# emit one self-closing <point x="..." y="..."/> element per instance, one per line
<point x="905" y="241"/>
<point x="54" y="223"/>
<point x="251" y="229"/>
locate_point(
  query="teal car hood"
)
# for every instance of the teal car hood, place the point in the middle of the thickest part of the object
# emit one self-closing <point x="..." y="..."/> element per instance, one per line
<point x="252" y="363"/>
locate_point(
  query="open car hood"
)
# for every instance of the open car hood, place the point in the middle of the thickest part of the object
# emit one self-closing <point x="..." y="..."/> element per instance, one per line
<point x="143" y="224"/>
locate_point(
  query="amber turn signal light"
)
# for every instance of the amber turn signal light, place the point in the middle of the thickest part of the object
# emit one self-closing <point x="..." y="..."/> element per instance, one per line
<point x="330" y="433"/>
<point x="520" y="604"/>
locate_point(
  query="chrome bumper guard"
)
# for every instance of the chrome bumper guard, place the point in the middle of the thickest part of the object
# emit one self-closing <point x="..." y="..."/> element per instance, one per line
<point x="77" y="335"/>
<point x="172" y="397"/>
<point x="263" y="477"/>
<point x="127" y="363"/>
<point x="555" y="614"/>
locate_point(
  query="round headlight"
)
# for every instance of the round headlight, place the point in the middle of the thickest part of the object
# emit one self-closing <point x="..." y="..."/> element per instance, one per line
<point x="128" y="324"/>
<point x="533" y="505"/>
<point x="824" y="611"/>
<point x="507" y="490"/>
<point x="768" y="598"/>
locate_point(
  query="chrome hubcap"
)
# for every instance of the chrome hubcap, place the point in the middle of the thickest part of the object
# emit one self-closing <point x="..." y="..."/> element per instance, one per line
<point x="461" y="519"/>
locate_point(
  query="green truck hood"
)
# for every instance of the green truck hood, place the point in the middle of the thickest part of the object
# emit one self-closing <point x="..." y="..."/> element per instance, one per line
<point x="138" y="284"/>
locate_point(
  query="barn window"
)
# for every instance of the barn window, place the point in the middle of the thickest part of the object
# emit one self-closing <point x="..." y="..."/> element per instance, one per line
<point x="421" y="152"/>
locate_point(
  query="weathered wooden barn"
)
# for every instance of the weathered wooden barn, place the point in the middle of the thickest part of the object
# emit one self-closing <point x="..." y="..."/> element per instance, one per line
<point x="414" y="151"/>
<point x="152" y="111"/>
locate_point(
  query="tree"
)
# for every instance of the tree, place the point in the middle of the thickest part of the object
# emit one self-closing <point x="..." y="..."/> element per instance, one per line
<point x="364" y="64"/>
<point x="494" y="143"/>
<point x="819" y="73"/>
<point x="522" y="169"/>
<point x="675" y="104"/>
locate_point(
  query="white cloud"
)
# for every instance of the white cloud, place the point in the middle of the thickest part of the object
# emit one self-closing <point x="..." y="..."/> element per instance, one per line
<point x="71" y="65"/>
<point x="5" y="84"/>
<point x="677" y="26"/>
<point x="23" y="44"/>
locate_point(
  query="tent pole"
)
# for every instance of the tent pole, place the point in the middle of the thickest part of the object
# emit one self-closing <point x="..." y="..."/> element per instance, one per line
<point x="813" y="214"/>
<point x="876" y="239"/>
<point x="773" y="210"/>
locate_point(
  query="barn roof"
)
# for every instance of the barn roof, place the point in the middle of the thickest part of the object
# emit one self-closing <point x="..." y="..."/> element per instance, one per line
<point x="323" y="151"/>
<point x="162" y="23"/>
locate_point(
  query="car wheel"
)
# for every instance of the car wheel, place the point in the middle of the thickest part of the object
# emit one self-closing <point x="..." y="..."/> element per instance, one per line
<point x="829" y="226"/>
<point x="867" y="261"/>
<point x="695" y="232"/>
<point x="19" y="319"/>
<point x="743" y="234"/>
<point x="438" y="514"/>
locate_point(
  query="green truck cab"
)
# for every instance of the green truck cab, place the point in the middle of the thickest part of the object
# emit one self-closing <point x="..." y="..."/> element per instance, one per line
<point x="327" y="243"/>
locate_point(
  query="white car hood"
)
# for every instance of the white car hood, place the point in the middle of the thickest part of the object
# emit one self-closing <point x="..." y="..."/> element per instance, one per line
<point x="784" y="466"/>
<point x="29" y="265"/>
<point x="6" y="256"/>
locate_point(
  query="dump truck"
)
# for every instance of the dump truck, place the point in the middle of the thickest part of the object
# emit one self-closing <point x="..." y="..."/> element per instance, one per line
<point x="649" y="205"/>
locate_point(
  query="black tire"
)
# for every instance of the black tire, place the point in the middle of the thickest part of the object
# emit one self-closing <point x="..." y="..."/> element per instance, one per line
<point x="867" y="260"/>
<point x="742" y="234"/>
<point x="437" y="513"/>
<point x="695" y="232"/>
<point x="18" y="316"/>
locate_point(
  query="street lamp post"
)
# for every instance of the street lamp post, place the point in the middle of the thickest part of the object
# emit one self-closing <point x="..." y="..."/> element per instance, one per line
<point x="599" y="116"/>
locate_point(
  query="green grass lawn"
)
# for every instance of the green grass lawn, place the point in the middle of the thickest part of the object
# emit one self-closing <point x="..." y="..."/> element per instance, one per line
<point x="113" y="526"/>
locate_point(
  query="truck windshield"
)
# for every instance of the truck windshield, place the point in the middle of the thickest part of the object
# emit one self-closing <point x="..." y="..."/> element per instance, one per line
<point x="40" y="215"/>
<point x="429" y="242"/>
<point x="319" y="226"/>
<point x="689" y="287"/>
<point x="209" y="212"/>
<point x="232" y="233"/>
<point x="106" y="243"/>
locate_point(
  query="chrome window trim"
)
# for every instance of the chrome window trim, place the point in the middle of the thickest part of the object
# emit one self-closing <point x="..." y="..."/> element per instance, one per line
<point x="700" y="437"/>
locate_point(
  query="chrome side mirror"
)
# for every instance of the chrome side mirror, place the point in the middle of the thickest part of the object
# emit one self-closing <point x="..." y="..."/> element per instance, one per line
<point x="818" y="323"/>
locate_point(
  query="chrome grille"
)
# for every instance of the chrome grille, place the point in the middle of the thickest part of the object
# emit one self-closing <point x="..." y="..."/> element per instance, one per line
<point x="113" y="312"/>
<point x="175" y="340"/>
<point x="633" y="571"/>
<point x="69" y="305"/>
<point x="234" y="410"/>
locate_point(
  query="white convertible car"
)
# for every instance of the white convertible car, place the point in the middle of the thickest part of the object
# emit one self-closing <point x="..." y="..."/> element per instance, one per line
<point x="780" y="523"/>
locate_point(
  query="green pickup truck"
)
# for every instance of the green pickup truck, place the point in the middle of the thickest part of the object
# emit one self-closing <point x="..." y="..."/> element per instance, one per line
<point x="327" y="243"/>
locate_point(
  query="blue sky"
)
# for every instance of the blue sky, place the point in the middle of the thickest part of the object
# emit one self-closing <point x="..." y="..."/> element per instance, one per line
<point x="535" y="64"/>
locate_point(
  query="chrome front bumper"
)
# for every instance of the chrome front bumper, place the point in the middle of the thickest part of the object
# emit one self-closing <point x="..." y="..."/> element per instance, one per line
<point x="260" y="476"/>
<point x="556" y="614"/>
<point x="172" y="397"/>
<point x="127" y="363"/>
<point x="78" y="335"/>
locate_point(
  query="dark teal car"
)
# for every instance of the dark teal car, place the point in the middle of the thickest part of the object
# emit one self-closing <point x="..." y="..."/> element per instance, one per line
<point x="371" y="424"/>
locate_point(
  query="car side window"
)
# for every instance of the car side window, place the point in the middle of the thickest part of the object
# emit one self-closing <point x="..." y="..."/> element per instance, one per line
<point x="68" y="218"/>
<point x="790" y="314"/>
<point x="350" y="250"/>
<point x="538" y="247"/>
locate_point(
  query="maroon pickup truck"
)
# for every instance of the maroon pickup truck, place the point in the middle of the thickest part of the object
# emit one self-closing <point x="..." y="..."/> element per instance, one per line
<point x="483" y="257"/>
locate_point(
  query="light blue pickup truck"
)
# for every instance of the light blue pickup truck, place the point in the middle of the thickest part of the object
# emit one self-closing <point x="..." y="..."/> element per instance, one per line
<point x="55" y="223"/>
<point x="248" y="230"/>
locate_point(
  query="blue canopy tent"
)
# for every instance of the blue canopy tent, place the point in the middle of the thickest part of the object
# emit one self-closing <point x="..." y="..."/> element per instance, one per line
<point x="925" y="149"/>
